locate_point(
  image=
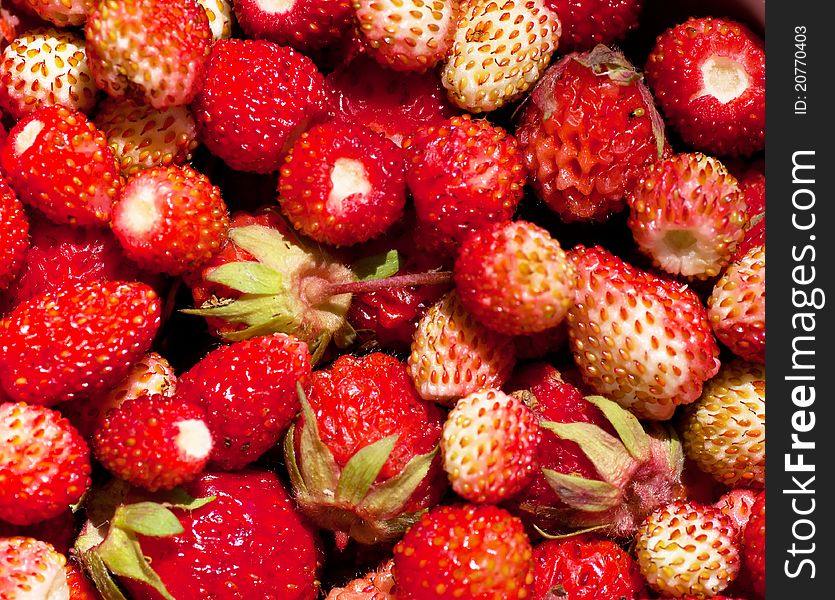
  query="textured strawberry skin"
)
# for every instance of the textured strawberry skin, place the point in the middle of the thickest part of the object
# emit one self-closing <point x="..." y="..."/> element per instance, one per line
<point x="306" y="25"/>
<point x="753" y="538"/>
<point x="14" y="234"/>
<point x="61" y="12"/>
<point x="58" y="531"/>
<point x="586" y="23"/>
<point x="29" y="569"/>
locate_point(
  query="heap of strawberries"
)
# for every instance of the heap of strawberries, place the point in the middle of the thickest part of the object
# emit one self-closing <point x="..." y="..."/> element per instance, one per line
<point x="380" y="299"/>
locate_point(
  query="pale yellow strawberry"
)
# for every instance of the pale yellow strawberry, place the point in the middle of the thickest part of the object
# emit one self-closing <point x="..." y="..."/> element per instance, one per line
<point x="221" y="17"/>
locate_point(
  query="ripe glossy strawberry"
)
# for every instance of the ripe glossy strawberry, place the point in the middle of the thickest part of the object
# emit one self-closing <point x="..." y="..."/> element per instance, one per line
<point x="470" y="550"/>
<point x="62" y="12"/>
<point x="751" y="179"/>
<point x="587" y="131"/>
<point x="585" y="567"/>
<point x="154" y="442"/>
<point x="489" y="445"/>
<point x="514" y="278"/>
<point x="31" y="569"/>
<point x="59" y="531"/>
<point x="453" y="355"/>
<point x="499" y="50"/>
<point x="46" y="67"/>
<point x="77" y="341"/>
<point x="687" y="548"/>
<point x="142" y="137"/>
<point x="257" y="98"/>
<point x="14" y="234"/>
<point x="364" y="415"/>
<point x="753" y="539"/>
<point x="724" y="430"/>
<point x="377" y="585"/>
<point x="58" y="162"/>
<point x="392" y="103"/>
<point x="665" y="348"/>
<point x="221" y="17"/>
<point x="406" y="35"/>
<point x="708" y="75"/>
<point x="81" y="587"/>
<point x="149" y="49"/>
<point x="342" y="184"/>
<point x="45" y="464"/>
<point x="306" y="25"/>
<point x="586" y="23"/>
<point x="736" y="307"/>
<point x="170" y="219"/>
<point x="737" y="504"/>
<point x="248" y="392"/>
<point x="687" y="214"/>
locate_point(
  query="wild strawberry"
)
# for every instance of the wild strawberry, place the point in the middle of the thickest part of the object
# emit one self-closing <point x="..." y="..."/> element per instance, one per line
<point x="161" y="51"/>
<point x="377" y="585"/>
<point x="142" y="137"/>
<point x="640" y="340"/>
<point x="14" y="234"/>
<point x="514" y="278"/>
<point x="76" y="341"/>
<point x="342" y="184"/>
<point x="248" y="392"/>
<point x="394" y="104"/>
<point x="31" y="569"/>
<point x="464" y="175"/>
<point x="81" y="587"/>
<point x="46" y="68"/>
<point x="500" y="48"/>
<point x="724" y="430"/>
<point x="737" y="504"/>
<point x="154" y="442"/>
<point x="586" y="23"/>
<point x="280" y="90"/>
<point x="407" y="35"/>
<point x="687" y="548"/>
<point x="58" y="162"/>
<point x="221" y="17"/>
<point x="306" y="25"/>
<point x="489" y="445"/>
<point x="476" y="551"/>
<point x="736" y="307"/>
<point x="170" y="219"/>
<point x="454" y="355"/>
<point x="45" y="464"/>
<point x="58" y="531"/>
<point x="687" y="213"/>
<point x="708" y="75"/>
<point x="63" y="13"/>
<point x="584" y="567"/>
<point x="753" y="539"/>
<point x="587" y="131"/>
<point x="363" y="454"/>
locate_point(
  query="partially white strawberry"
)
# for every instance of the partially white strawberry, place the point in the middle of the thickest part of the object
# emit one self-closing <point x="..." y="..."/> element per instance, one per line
<point x="500" y="49"/>
<point x="64" y="13"/>
<point x="454" y="355"/>
<point x="406" y="35"/>
<point x="221" y="17"/>
<point x="737" y="504"/>
<point x="32" y="570"/>
<point x="45" y="67"/>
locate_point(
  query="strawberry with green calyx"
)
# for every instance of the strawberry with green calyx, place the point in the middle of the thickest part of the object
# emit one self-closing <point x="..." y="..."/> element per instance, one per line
<point x="363" y="456"/>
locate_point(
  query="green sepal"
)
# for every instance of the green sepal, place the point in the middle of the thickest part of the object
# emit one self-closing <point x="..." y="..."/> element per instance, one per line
<point x="318" y="467"/>
<point x="362" y="469"/>
<point x="378" y="266"/>
<point x="604" y="61"/>
<point x="147" y="518"/>
<point x="296" y="479"/>
<point x="629" y="428"/>
<point x="588" y="495"/>
<point x="179" y="498"/>
<point x="345" y="336"/>
<point x="121" y="554"/>
<point x="251" y="310"/>
<point x="391" y="496"/>
<point x="248" y="277"/>
<point x="266" y="244"/>
<point x="570" y="534"/>
<point x="673" y="449"/>
<point x="97" y="571"/>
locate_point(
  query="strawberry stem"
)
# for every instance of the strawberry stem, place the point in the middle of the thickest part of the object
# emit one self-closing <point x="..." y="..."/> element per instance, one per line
<point x="396" y="281"/>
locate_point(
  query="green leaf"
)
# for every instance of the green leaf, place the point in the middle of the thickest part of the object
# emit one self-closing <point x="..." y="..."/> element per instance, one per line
<point x="296" y="478"/>
<point x="629" y="428"/>
<point x="270" y="247"/>
<point x="123" y="556"/>
<point x="318" y="466"/>
<point x="103" y="580"/>
<point x="147" y="518"/>
<point x="362" y="470"/>
<point x="583" y="494"/>
<point x="378" y="266"/>
<point x="389" y="497"/>
<point x="179" y="498"/>
<point x="248" y="277"/>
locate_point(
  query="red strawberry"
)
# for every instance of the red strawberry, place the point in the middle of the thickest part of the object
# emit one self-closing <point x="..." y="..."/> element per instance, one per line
<point x="708" y="75"/>
<point x="58" y="162"/>
<point x="377" y="585"/>
<point x="342" y="184"/>
<point x="514" y="278"/>
<point x="587" y="131"/>
<point x="753" y="539"/>
<point x="464" y="175"/>
<point x="45" y="68"/>
<point x="81" y="587"/>
<point x="737" y="505"/>
<point x="62" y="12"/>
<point x="14" y="234"/>
<point x="473" y="551"/>
<point x="585" y="568"/>
<point x="752" y="183"/>
<point x="586" y="23"/>
<point x="31" y="569"/>
<point x="665" y="349"/>
<point x="407" y="35"/>
<point x="149" y="49"/>
<point x="687" y="213"/>
<point x="257" y="98"/>
<point x="154" y="442"/>
<point x="45" y="464"/>
<point x="248" y="392"/>
<point x="363" y="415"/>
<point x="170" y="219"/>
<point x="76" y="341"/>
<point x="394" y="104"/>
<point x="58" y="531"/>
<point x="305" y="25"/>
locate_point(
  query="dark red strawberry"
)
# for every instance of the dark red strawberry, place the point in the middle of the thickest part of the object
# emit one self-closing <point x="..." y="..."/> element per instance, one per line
<point x="80" y="585"/>
<point x="753" y="539"/>
<point x="305" y="25"/>
<point x="59" y="531"/>
<point x="14" y="234"/>
<point x="586" y="23"/>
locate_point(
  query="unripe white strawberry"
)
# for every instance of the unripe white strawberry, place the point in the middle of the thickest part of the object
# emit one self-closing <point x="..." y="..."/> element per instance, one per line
<point x="30" y="568"/>
<point x="220" y="14"/>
